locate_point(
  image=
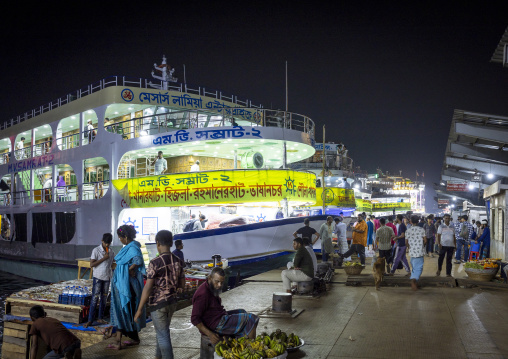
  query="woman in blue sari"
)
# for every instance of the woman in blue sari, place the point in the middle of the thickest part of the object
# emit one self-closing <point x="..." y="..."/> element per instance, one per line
<point x="126" y="288"/>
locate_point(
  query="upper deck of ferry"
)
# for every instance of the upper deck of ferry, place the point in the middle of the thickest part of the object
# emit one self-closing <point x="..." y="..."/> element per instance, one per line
<point x="128" y="121"/>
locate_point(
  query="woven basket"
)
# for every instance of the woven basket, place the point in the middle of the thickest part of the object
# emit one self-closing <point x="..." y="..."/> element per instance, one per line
<point x="353" y="270"/>
<point x="481" y="275"/>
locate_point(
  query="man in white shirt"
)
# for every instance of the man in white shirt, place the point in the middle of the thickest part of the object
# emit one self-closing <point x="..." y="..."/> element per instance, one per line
<point x="195" y="167"/>
<point x="160" y="163"/>
<point x="90" y="131"/>
<point x="416" y="241"/>
<point x="340" y="232"/>
<point x="20" y="152"/>
<point x="447" y="242"/>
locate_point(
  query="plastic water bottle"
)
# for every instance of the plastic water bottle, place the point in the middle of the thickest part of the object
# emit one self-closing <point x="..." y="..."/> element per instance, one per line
<point x="70" y="293"/>
<point x="80" y="297"/>
<point x="65" y="295"/>
<point x="74" y="295"/>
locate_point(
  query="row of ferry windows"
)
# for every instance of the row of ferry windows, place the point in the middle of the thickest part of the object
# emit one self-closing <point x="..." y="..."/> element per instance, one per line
<point x="128" y="121"/>
<point x="56" y="184"/>
<point x="14" y="227"/>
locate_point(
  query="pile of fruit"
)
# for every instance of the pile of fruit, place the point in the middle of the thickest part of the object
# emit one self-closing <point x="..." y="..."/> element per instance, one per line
<point x="350" y="264"/>
<point x="264" y="346"/>
<point x="487" y="263"/>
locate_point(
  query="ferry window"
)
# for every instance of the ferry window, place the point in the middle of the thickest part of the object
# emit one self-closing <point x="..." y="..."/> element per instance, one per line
<point x="43" y="139"/>
<point x="42" y="231"/>
<point x="22" y="190"/>
<point x="96" y="181"/>
<point x="5" y="190"/>
<point x="20" y="231"/>
<point x="89" y="126"/>
<point x="5" y="229"/>
<point x="22" y="147"/>
<point x="67" y="133"/>
<point x="5" y="151"/>
<point x="65" y="226"/>
<point x="132" y="121"/>
<point x="42" y="185"/>
<point x="66" y="188"/>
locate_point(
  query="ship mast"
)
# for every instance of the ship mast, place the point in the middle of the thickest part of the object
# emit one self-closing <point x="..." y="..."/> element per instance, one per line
<point x="167" y="76"/>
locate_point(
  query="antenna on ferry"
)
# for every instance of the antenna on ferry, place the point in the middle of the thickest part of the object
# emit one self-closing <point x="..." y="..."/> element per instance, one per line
<point x="166" y="77"/>
<point x="286" y="86"/>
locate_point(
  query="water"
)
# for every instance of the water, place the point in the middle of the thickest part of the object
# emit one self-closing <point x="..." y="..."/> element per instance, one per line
<point x="10" y="283"/>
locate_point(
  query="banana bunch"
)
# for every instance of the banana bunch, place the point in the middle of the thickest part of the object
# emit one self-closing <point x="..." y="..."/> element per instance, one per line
<point x="290" y="340"/>
<point x="243" y="348"/>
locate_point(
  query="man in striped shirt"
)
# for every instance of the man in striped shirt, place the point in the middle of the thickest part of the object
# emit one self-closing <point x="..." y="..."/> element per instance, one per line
<point x="464" y="240"/>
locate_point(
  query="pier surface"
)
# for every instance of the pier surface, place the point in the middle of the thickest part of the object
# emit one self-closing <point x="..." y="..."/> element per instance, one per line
<point x="360" y="322"/>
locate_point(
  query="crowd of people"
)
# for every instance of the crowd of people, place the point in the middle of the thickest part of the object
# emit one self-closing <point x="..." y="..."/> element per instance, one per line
<point x="132" y="297"/>
<point x="392" y="238"/>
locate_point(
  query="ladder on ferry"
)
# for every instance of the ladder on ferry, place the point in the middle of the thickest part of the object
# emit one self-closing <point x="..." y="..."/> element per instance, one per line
<point x="144" y="166"/>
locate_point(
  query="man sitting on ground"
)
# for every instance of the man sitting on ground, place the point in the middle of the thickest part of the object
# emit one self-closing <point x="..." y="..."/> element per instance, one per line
<point x="303" y="268"/>
<point x="210" y="317"/>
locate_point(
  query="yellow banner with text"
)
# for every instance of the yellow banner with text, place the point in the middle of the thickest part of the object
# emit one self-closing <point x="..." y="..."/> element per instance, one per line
<point x="339" y="197"/>
<point x="218" y="187"/>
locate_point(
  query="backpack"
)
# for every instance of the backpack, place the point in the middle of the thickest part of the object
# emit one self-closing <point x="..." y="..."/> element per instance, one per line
<point x="189" y="225"/>
<point x="464" y="232"/>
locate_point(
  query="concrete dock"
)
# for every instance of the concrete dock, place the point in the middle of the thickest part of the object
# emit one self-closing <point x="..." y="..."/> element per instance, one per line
<point x="360" y="322"/>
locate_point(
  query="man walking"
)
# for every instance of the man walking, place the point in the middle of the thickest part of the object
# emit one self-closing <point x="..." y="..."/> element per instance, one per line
<point x="384" y="237"/>
<point x="359" y="240"/>
<point x="446" y="242"/>
<point x="463" y="233"/>
<point x="325" y="233"/>
<point x="416" y="241"/>
<point x="400" y="252"/>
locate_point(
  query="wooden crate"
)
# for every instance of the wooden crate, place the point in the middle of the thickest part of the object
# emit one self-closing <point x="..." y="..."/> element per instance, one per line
<point x="15" y="341"/>
<point x="62" y="312"/>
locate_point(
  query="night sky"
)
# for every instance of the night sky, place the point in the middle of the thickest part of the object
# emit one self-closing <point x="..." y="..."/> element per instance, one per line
<point x="384" y="77"/>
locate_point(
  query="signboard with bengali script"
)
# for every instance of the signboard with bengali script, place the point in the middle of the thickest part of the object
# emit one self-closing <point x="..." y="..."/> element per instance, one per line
<point x="363" y="205"/>
<point x="340" y="197"/>
<point x="385" y="207"/>
<point x="218" y="187"/>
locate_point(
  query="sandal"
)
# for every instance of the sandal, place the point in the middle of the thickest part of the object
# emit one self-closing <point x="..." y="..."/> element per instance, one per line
<point x="113" y="346"/>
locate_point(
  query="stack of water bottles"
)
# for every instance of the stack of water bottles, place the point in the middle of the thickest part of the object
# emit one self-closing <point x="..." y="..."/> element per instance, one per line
<point x="75" y="296"/>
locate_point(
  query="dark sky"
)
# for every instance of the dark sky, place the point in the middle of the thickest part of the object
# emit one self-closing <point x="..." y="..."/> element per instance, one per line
<point x="384" y="76"/>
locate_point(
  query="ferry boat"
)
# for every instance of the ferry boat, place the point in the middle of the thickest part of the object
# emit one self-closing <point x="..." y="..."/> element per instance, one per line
<point x="83" y="164"/>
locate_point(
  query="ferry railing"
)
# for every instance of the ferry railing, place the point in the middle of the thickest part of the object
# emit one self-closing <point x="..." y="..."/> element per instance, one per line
<point x="20" y="198"/>
<point x="41" y="148"/>
<point x="22" y="153"/>
<point x="5" y="199"/>
<point x="206" y="118"/>
<point x="5" y="158"/>
<point x="68" y="141"/>
<point x="95" y="190"/>
<point x="120" y="81"/>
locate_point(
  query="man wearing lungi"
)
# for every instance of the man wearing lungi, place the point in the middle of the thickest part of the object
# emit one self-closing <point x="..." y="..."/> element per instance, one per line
<point x="210" y="317"/>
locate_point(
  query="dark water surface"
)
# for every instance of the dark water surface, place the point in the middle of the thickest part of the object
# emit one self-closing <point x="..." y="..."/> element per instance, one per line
<point x="10" y="283"/>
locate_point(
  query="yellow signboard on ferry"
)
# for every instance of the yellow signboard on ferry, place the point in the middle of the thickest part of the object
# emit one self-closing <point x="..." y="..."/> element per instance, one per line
<point x="218" y="187"/>
<point x="340" y="197"/>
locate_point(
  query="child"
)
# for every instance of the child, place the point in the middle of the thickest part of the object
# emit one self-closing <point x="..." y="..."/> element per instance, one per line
<point x="101" y="260"/>
<point x="59" y="339"/>
<point x="178" y="251"/>
<point x="165" y="278"/>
